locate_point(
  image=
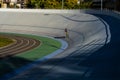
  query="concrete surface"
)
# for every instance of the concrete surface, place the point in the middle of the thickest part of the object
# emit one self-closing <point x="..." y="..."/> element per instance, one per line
<point x="81" y="61"/>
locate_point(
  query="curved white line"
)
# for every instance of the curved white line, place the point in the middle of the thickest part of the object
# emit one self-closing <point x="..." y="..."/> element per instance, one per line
<point x="11" y="48"/>
<point x="26" y="47"/>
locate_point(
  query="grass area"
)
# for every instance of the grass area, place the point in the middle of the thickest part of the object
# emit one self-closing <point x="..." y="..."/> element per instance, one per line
<point x="5" y="41"/>
<point x="48" y="45"/>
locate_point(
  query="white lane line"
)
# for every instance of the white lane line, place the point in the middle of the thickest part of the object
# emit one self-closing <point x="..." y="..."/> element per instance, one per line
<point x="21" y="48"/>
<point x="26" y="46"/>
<point x="14" y="42"/>
<point x="17" y="40"/>
<point x="12" y="47"/>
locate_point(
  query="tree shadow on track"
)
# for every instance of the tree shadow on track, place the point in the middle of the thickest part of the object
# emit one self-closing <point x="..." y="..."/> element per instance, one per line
<point x="105" y="62"/>
<point x="10" y="64"/>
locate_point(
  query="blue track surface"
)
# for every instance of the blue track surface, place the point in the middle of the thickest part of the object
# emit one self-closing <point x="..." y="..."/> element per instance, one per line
<point x="106" y="61"/>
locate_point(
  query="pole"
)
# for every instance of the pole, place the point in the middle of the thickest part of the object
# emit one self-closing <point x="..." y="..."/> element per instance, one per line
<point x="62" y="4"/>
<point x="66" y="33"/>
<point x="101" y="4"/>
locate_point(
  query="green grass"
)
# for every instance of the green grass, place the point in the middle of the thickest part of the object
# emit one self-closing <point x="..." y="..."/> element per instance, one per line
<point x="5" y="41"/>
<point x="48" y="45"/>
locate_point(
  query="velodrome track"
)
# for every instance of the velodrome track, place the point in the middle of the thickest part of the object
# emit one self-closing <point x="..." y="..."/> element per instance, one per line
<point x="87" y="35"/>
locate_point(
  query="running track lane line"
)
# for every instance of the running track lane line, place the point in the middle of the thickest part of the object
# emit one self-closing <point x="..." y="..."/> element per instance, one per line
<point x="26" y="67"/>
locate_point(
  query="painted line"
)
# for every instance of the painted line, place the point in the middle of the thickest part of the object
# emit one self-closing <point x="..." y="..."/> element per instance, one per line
<point x="12" y="48"/>
<point x="107" y="28"/>
<point x="26" y="67"/>
<point x="14" y="42"/>
<point x="21" y="48"/>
